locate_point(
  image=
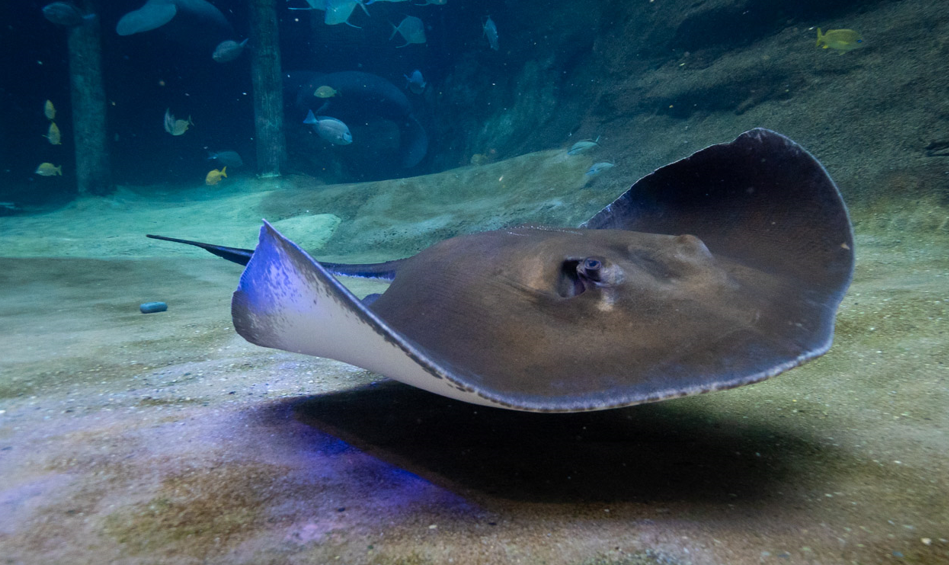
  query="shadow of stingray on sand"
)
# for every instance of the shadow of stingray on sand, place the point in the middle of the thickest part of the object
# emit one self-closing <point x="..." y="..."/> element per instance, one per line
<point x="645" y="454"/>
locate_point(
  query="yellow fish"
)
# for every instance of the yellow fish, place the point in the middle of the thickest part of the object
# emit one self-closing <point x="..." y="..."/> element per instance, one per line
<point x="54" y="137"/>
<point x="176" y="127"/>
<point x="49" y="110"/>
<point x="214" y="176"/>
<point x="181" y="126"/>
<point x="49" y="170"/>
<point x="325" y="92"/>
<point x="840" y="40"/>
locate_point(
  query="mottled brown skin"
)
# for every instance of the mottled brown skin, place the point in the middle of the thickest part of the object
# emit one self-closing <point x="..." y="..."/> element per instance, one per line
<point x="751" y="294"/>
<point x="666" y="314"/>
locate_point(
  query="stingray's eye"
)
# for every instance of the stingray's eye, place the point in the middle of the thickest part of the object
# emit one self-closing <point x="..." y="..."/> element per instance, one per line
<point x="591" y="264"/>
<point x="591" y="269"/>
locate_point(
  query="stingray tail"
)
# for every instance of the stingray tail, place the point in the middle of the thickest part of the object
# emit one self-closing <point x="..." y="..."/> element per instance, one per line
<point x="375" y="271"/>
<point x="233" y="254"/>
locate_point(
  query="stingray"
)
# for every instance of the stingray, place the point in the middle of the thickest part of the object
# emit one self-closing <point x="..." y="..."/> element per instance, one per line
<point x="720" y="270"/>
<point x="156" y="13"/>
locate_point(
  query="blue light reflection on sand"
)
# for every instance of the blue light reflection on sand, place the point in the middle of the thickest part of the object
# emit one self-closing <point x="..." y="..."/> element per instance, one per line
<point x="365" y="483"/>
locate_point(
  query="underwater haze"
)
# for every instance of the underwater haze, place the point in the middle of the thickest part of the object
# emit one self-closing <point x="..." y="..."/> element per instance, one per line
<point x="747" y="349"/>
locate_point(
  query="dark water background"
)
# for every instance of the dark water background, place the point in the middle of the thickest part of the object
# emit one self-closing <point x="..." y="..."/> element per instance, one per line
<point x="565" y="71"/>
<point x="149" y="72"/>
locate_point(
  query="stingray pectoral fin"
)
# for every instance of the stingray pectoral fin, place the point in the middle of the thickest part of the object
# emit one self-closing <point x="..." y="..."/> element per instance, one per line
<point x="761" y="199"/>
<point x="154" y="14"/>
<point x="288" y="301"/>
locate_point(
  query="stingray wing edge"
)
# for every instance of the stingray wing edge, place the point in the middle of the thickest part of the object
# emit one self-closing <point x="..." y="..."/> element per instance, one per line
<point x="287" y="300"/>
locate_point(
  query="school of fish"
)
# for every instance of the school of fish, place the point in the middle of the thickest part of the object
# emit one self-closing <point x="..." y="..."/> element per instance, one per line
<point x="411" y="28"/>
<point x="156" y="13"/>
<point x="53" y="135"/>
<point x="334" y="131"/>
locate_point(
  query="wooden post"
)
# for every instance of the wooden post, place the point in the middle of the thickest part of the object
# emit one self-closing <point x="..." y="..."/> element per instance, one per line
<point x="93" y="169"/>
<point x="268" y="87"/>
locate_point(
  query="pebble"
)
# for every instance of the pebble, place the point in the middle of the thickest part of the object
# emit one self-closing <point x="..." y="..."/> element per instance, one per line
<point x="152" y="307"/>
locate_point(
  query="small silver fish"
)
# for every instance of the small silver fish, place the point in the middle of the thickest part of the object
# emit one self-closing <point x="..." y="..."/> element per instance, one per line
<point x="330" y="129"/>
<point x="227" y="51"/>
<point x="54" y="136"/>
<point x="416" y="83"/>
<point x="581" y="146"/>
<point x="491" y="32"/>
<point x="338" y="11"/>
<point x="433" y="3"/>
<point x="598" y="168"/>
<point x="49" y="170"/>
<point x="412" y="30"/>
<point x="227" y="158"/>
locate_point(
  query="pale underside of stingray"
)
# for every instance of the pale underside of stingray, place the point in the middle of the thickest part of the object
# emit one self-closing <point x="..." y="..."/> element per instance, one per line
<point x="156" y="13"/>
<point x="720" y="270"/>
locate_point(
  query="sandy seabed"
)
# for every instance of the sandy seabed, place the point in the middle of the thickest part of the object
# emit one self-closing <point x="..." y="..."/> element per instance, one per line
<point x="166" y="438"/>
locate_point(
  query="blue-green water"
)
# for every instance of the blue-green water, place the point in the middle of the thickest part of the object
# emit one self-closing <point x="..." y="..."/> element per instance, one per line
<point x="168" y="438"/>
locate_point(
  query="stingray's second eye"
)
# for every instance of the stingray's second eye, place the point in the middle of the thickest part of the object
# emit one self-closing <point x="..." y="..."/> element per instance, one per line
<point x="592" y="265"/>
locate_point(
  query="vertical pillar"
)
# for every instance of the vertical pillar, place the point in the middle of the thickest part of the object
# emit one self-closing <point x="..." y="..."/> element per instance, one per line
<point x="268" y="87"/>
<point x="93" y="169"/>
